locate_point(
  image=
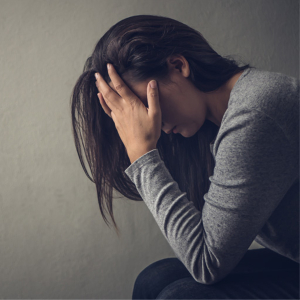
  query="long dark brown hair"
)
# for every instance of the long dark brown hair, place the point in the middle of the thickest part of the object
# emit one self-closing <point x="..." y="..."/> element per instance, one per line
<point x="138" y="47"/>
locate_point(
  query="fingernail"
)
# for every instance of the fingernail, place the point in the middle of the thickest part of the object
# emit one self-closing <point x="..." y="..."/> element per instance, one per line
<point x="153" y="84"/>
<point x="108" y="66"/>
<point x="96" y="75"/>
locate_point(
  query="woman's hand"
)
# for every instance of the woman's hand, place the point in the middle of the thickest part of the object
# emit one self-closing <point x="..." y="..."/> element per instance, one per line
<point x="139" y="127"/>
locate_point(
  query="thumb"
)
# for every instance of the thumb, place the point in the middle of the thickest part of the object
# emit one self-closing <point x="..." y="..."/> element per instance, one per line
<point x="153" y="98"/>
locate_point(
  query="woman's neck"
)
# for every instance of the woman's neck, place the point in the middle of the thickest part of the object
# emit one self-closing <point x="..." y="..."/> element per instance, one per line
<point x="217" y="101"/>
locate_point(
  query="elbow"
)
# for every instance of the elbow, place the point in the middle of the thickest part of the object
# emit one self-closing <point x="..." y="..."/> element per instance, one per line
<point x="210" y="275"/>
<point x="209" y="269"/>
<point x="209" y="280"/>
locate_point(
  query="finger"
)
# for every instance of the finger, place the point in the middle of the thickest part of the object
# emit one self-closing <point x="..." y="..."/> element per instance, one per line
<point x="97" y="85"/>
<point x="153" y="98"/>
<point x="107" y="93"/>
<point x="121" y="88"/>
<point x="104" y="106"/>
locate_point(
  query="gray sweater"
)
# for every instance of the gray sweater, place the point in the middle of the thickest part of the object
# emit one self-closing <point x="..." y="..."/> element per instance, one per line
<point x="254" y="190"/>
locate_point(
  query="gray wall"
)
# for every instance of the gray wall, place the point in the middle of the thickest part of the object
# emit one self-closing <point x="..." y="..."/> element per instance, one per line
<point x="53" y="241"/>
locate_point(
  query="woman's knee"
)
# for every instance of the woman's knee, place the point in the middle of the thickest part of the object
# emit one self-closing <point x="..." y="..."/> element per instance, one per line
<point x="188" y="288"/>
<point x="155" y="277"/>
<point x="260" y="285"/>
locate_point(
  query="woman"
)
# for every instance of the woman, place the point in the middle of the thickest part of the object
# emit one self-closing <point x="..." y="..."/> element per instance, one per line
<point x="226" y="175"/>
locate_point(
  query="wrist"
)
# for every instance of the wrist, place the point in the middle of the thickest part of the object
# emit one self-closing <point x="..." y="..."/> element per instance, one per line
<point x="135" y="156"/>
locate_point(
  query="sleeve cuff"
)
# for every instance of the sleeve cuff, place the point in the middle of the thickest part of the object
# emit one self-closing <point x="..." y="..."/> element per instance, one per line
<point x="152" y="156"/>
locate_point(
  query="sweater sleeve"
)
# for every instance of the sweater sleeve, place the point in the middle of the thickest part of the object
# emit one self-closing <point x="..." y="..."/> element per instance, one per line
<point x="250" y="177"/>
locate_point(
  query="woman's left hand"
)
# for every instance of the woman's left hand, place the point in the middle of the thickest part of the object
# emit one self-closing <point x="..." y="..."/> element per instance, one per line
<point x="139" y="127"/>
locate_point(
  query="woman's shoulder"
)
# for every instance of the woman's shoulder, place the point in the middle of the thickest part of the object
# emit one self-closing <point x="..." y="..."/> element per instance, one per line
<point x="258" y="88"/>
<point x="274" y="95"/>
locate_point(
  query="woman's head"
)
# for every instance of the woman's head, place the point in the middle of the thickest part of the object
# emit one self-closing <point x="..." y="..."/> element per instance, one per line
<point x="181" y="103"/>
<point x="142" y="48"/>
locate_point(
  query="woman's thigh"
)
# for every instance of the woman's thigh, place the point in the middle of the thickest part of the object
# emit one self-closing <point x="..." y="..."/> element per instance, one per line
<point x="265" y="285"/>
<point x="154" y="278"/>
<point x="170" y="275"/>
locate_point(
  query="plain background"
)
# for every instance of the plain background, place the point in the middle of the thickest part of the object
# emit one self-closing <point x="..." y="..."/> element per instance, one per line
<point x="53" y="241"/>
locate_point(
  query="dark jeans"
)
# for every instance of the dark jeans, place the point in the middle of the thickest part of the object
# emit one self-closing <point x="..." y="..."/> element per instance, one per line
<point x="261" y="274"/>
